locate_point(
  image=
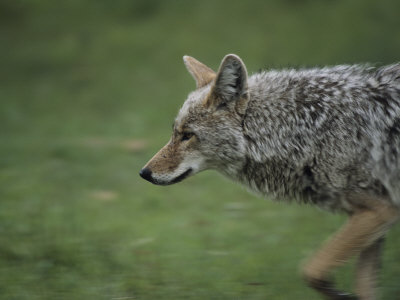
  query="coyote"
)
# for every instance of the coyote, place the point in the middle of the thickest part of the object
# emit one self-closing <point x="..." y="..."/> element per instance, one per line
<point x="325" y="136"/>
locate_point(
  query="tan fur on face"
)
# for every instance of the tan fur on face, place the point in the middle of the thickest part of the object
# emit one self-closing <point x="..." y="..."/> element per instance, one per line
<point x="167" y="159"/>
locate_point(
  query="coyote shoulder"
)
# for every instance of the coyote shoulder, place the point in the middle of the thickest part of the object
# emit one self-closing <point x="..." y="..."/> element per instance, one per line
<point x="326" y="136"/>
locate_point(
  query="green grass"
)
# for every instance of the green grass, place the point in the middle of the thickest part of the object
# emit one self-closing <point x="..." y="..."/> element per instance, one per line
<point x="88" y="92"/>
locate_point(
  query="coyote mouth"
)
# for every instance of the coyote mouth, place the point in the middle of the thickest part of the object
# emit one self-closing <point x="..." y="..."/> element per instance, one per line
<point x="182" y="176"/>
<point x="147" y="174"/>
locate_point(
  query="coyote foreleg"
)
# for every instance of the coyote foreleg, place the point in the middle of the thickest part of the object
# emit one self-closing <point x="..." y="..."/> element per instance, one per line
<point x="359" y="235"/>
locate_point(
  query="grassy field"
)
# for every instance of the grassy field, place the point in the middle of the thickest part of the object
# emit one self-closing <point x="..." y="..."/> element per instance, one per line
<point x="88" y="92"/>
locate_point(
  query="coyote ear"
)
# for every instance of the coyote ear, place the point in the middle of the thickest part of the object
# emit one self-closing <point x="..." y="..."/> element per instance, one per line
<point x="200" y="72"/>
<point x="231" y="83"/>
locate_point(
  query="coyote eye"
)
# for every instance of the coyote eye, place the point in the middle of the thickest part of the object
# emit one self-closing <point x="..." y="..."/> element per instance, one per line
<point x="186" y="136"/>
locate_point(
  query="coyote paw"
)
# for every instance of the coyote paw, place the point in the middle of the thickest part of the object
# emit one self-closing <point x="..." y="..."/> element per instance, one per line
<point x="326" y="288"/>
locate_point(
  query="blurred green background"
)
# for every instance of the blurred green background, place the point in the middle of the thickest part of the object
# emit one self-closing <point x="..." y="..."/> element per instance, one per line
<point x="88" y="93"/>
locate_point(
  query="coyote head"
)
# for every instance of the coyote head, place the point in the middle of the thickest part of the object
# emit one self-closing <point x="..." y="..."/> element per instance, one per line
<point x="207" y="133"/>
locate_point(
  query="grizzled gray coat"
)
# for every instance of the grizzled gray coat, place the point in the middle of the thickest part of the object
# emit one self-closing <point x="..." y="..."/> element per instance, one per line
<point x="324" y="134"/>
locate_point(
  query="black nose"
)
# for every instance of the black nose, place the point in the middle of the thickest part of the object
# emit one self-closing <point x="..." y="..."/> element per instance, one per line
<point x="145" y="173"/>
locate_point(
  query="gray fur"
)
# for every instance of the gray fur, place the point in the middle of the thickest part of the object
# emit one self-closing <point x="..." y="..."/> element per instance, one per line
<point x="325" y="136"/>
<point x="317" y="135"/>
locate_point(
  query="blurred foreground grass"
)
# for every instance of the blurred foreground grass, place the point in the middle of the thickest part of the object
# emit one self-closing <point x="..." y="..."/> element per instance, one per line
<point x="88" y="90"/>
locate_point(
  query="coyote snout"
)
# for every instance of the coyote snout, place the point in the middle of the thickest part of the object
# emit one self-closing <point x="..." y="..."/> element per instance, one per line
<point x="328" y="137"/>
<point x="174" y="162"/>
<point x="165" y="167"/>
